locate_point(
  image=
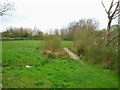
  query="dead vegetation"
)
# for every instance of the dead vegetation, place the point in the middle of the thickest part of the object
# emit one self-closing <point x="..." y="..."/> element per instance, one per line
<point x="54" y="54"/>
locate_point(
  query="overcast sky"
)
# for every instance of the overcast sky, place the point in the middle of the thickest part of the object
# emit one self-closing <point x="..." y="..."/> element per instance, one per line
<point x="51" y="14"/>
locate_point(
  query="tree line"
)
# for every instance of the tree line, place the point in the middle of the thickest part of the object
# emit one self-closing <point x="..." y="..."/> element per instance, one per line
<point x="21" y="33"/>
<point x="67" y="33"/>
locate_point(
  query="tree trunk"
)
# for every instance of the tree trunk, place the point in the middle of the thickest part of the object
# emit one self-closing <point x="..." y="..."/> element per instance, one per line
<point x="108" y="33"/>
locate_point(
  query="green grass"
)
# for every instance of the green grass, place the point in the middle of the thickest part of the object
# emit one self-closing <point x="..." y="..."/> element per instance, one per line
<point x="0" y="64"/>
<point x="49" y="73"/>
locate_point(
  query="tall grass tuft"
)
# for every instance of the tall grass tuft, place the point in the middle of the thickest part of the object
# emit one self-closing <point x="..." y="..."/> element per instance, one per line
<point x="52" y="46"/>
<point x="52" y="42"/>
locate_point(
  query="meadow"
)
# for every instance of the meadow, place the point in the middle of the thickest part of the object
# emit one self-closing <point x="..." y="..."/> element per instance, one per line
<point x="46" y="72"/>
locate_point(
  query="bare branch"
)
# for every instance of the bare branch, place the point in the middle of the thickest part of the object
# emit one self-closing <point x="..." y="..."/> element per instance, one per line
<point x="6" y="8"/>
<point x="104" y="6"/>
<point x="116" y="3"/>
<point x="111" y="6"/>
<point x="116" y="9"/>
<point x="115" y="16"/>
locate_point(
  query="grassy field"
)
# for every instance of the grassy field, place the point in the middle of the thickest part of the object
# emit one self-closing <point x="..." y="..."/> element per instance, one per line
<point x="49" y="73"/>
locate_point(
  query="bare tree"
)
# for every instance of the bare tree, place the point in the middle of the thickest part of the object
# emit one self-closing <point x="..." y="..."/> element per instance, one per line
<point x="112" y="14"/>
<point x="6" y="8"/>
<point x="56" y="31"/>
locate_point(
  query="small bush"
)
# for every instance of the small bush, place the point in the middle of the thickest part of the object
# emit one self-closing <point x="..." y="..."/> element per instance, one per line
<point x="52" y="42"/>
<point x="52" y="46"/>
